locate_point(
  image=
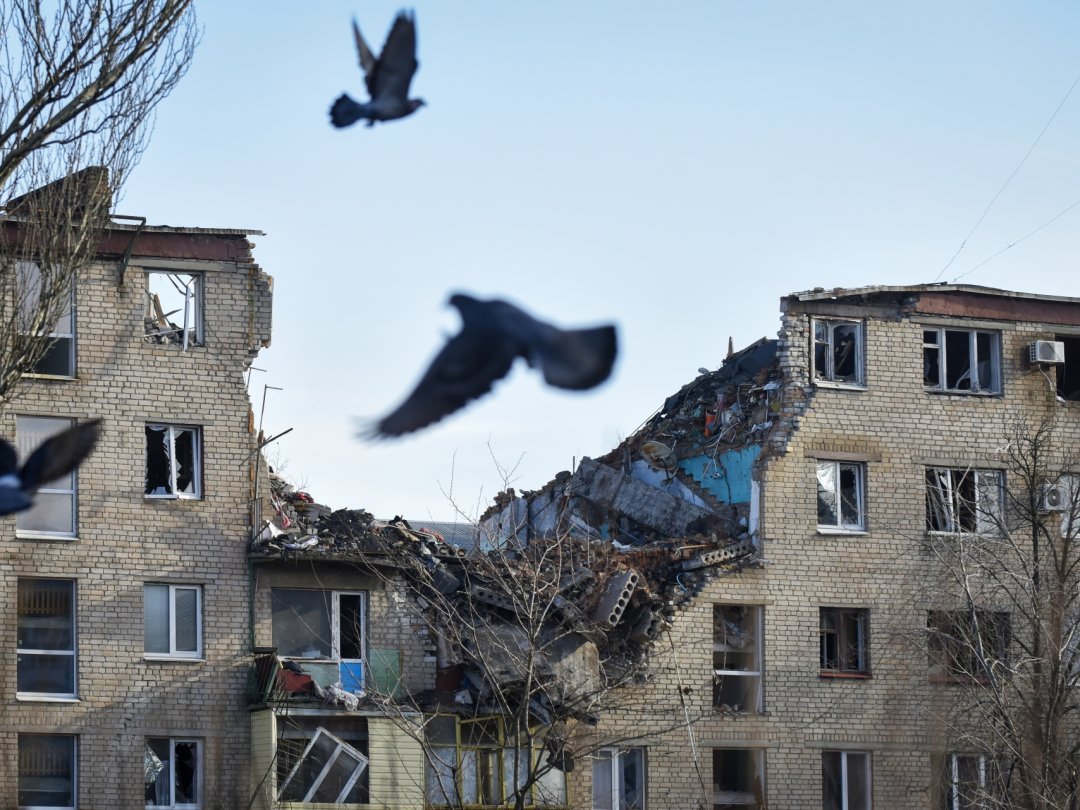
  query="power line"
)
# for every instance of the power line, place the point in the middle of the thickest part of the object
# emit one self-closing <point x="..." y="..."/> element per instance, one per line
<point x="1005" y="185"/>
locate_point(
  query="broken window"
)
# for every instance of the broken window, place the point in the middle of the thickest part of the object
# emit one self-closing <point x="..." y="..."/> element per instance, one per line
<point x="171" y="772"/>
<point x="471" y="762"/>
<point x="327" y="771"/>
<point x="173" y="461"/>
<point x="329" y="625"/>
<point x="59" y="357"/>
<point x="970" y="782"/>
<point x="1068" y="373"/>
<point x="840" y="495"/>
<point x="965" y="645"/>
<point x="845" y="780"/>
<point x="297" y="732"/>
<point x="174" y="308"/>
<point x="47" y="765"/>
<point x="618" y="779"/>
<point x="46" y="645"/>
<point x="844" y="646"/>
<point x="53" y="512"/>
<point x="172" y="620"/>
<point x="737" y="658"/>
<point x="838" y="349"/>
<point x="738" y="776"/>
<point x="964" y="500"/>
<point x="964" y="361"/>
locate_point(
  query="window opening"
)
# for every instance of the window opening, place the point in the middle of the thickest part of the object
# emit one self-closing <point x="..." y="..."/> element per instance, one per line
<point x="173" y="308"/>
<point x="46" y="645"/>
<point x="296" y="733"/>
<point x="171" y="773"/>
<point x="618" y="779"/>
<point x="322" y="625"/>
<point x="172" y="623"/>
<point x="327" y="771"/>
<point x="963" y="500"/>
<point x="966" y="646"/>
<point x="971" y="782"/>
<point x="845" y="780"/>
<point x="844" y="647"/>
<point x="54" y="510"/>
<point x="47" y="764"/>
<point x="838" y="351"/>
<point x="172" y="462"/>
<point x="58" y="359"/>
<point x="962" y="361"/>
<point x="840" y="495"/>
<point x="1068" y="373"/>
<point x="738" y="779"/>
<point x="737" y="658"/>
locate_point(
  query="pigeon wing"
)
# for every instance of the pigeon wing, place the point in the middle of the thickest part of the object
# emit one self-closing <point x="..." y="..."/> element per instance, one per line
<point x="9" y="459"/>
<point x="367" y="58"/>
<point x="466" y="368"/>
<point x="60" y="454"/>
<point x="397" y="62"/>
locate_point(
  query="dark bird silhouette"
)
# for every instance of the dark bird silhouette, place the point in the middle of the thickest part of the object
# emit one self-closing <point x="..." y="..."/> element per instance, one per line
<point x="56" y="456"/>
<point x="387" y="78"/>
<point x="493" y="334"/>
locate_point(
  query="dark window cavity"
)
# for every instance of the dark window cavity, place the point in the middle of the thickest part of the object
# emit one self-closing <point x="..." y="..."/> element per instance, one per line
<point x="838" y="351"/>
<point x="173" y="462"/>
<point x="966" y="361"/>
<point x="844" y="641"/>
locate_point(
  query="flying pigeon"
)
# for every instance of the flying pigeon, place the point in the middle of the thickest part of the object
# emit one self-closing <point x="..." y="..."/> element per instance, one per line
<point x="493" y="334"/>
<point x="56" y="456"/>
<point x="387" y="77"/>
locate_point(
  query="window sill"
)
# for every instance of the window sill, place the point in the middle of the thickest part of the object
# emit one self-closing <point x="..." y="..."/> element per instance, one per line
<point x="831" y="530"/>
<point x="34" y="697"/>
<point x="61" y="377"/>
<point x="172" y="497"/>
<point x="172" y="659"/>
<point x="981" y="394"/>
<point x="840" y="675"/>
<point x="66" y="538"/>
<point x="839" y="386"/>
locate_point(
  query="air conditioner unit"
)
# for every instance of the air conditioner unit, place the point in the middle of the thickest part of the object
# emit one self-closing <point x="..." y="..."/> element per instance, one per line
<point x="1046" y="351"/>
<point x="1053" y="498"/>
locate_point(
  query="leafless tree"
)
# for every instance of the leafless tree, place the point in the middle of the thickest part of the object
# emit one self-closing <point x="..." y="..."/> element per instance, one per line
<point x="1005" y="640"/>
<point x="79" y="82"/>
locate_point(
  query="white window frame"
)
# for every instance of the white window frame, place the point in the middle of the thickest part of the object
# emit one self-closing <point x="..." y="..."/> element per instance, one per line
<point x="952" y="773"/>
<point x="862" y="641"/>
<point x="171" y="432"/>
<point x="846" y="799"/>
<point x="171" y="765"/>
<point x="71" y="653"/>
<point x="938" y="345"/>
<point x="173" y="653"/>
<point x="74" y="774"/>
<point x="757" y="620"/>
<point x="988" y="513"/>
<point x="615" y="759"/>
<point x="827" y="375"/>
<point x="190" y="286"/>
<point x="840" y="527"/>
<point x="26" y="445"/>
<point x="27" y="306"/>
<point x="341" y="748"/>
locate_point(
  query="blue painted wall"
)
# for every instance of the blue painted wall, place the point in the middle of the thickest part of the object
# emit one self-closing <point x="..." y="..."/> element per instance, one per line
<point x="726" y="477"/>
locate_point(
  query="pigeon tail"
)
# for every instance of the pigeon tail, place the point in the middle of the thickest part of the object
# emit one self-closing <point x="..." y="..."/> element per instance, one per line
<point x="346" y="111"/>
<point x="577" y="359"/>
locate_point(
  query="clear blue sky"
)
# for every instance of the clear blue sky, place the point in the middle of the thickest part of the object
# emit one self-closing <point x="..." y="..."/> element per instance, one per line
<point x="675" y="168"/>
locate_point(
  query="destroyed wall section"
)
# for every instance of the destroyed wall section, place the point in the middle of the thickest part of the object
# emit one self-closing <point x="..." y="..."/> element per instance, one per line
<point x="897" y="428"/>
<point x="126" y="540"/>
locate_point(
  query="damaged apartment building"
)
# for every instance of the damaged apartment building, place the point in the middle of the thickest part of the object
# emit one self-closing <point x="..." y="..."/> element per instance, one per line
<point x="722" y="612"/>
<point x="126" y="584"/>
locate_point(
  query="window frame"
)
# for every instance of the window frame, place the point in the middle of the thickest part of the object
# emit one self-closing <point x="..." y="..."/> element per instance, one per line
<point x="757" y="659"/>
<point x="197" y="452"/>
<point x="838" y="467"/>
<point x="846" y="800"/>
<point x="986" y="520"/>
<point x="944" y="650"/>
<point x="72" y="653"/>
<point x="296" y="728"/>
<point x="24" y="449"/>
<point x="341" y="749"/>
<point x="988" y="780"/>
<point x="616" y="773"/>
<point x="827" y="377"/>
<point x="74" y="753"/>
<point x="940" y="346"/>
<point x="53" y="334"/>
<point x="171" y="765"/>
<point x="174" y="654"/>
<point x="190" y="335"/>
<point x="862" y="642"/>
